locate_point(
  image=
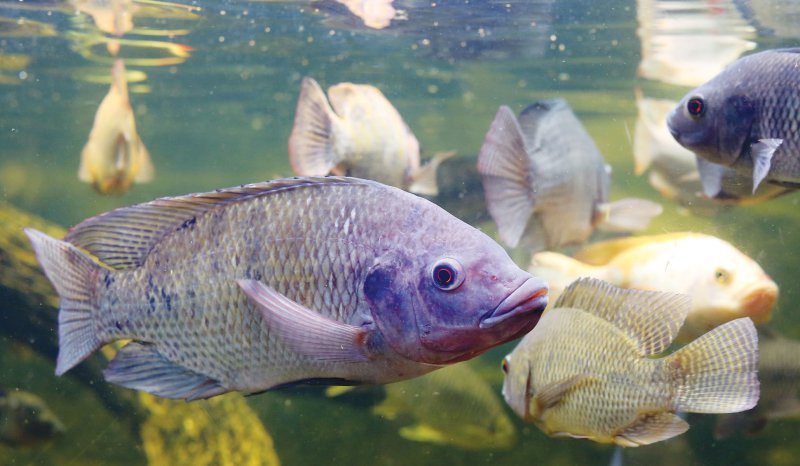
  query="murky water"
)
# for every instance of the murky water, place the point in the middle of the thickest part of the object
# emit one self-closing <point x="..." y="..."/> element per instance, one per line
<point x="216" y="110"/>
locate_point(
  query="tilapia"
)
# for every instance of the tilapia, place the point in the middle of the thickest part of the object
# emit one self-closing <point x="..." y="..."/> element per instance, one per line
<point x="723" y="282"/>
<point x="114" y="157"/>
<point x="26" y="420"/>
<point x="359" y="133"/>
<point x="745" y="118"/>
<point x="547" y="184"/>
<point x="330" y="280"/>
<point x="588" y="369"/>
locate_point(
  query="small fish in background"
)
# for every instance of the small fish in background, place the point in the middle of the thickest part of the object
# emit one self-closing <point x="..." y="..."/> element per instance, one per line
<point x="302" y="280"/>
<point x="588" y="369"/>
<point x="26" y="420"/>
<point x="547" y="184"/>
<point x="745" y="118"/>
<point x="114" y="157"/>
<point x="452" y="406"/>
<point x="673" y="168"/>
<point x="779" y="374"/>
<point x="723" y="282"/>
<point x="359" y="133"/>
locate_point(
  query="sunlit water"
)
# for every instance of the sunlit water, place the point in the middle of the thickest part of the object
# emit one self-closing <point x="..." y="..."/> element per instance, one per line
<point x="222" y="117"/>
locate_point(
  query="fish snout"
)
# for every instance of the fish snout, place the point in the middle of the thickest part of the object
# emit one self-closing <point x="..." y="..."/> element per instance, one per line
<point x="758" y="303"/>
<point x="529" y="298"/>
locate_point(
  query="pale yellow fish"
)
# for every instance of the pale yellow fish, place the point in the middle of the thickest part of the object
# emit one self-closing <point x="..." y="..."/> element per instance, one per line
<point x="723" y="282"/>
<point x="114" y="156"/>
<point x="376" y="14"/>
<point x="588" y="369"/>
<point x="359" y="133"/>
<point x="110" y="16"/>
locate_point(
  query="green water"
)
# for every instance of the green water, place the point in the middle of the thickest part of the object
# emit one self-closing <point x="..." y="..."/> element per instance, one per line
<point x="223" y="116"/>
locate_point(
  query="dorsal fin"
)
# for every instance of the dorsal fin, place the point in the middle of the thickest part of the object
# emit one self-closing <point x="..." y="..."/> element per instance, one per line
<point x="601" y="253"/>
<point x="123" y="238"/>
<point x="651" y="318"/>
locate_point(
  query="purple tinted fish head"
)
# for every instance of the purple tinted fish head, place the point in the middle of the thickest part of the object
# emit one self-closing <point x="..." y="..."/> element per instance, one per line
<point x="517" y="388"/>
<point x="452" y="305"/>
<point x="714" y="121"/>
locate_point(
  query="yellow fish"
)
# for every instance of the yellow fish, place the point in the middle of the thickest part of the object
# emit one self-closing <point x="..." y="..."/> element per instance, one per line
<point x="723" y="282"/>
<point x="359" y="133"/>
<point x="115" y="156"/>
<point x="588" y="370"/>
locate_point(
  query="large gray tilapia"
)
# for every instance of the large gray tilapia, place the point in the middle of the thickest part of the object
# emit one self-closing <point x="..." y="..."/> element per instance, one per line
<point x="748" y="118"/>
<point x="249" y="288"/>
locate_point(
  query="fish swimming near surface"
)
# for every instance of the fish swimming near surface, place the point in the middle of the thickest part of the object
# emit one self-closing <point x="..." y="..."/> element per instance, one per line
<point x="723" y="282"/>
<point x="358" y="133"/>
<point x="26" y="420"/>
<point x="588" y="369"/>
<point x="547" y="184"/>
<point x="747" y="118"/>
<point x="323" y="280"/>
<point x="114" y="157"/>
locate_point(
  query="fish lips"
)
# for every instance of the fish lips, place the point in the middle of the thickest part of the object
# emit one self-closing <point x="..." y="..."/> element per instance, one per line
<point x="530" y="298"/>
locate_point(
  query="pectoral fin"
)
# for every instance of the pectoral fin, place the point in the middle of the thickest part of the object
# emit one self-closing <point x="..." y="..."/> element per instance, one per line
<point x="711" y="176"/>
<point x="305" y="331"/>
<point x="761" y="152"/>
<point x="423" y="433"/>
<point x="553" y="393"/>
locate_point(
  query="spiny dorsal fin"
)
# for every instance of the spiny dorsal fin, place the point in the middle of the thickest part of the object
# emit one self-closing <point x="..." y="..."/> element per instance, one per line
<point x="123" y="238"/>
<point x="603" y="252"/>
<point x="651" y="318"/>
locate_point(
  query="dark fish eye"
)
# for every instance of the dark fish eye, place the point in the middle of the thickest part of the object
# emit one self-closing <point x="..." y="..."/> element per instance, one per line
<point x="722" y="276"/>
<point x="504" y="365"/>
<point x="447" y="274"/>
<point x="696" y="106"/>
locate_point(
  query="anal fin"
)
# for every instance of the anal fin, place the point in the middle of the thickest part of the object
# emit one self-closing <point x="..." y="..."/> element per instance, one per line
<point x="141" y="367"/>
<point x="651" y="427"/>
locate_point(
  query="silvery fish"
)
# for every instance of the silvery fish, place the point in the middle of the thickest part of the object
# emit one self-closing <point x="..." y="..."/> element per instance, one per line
<point x="546" y="182"/>
<point x="336" y="280"/>
<point x="588" y="369"/>
<point x="359" y="133"/>
<point x="26" y="420"/>
<point x="746" y="118"/>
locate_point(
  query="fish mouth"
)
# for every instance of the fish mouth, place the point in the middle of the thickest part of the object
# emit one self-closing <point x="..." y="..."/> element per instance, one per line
<point x="758" y="303"/>
<point x="528" y="298"/>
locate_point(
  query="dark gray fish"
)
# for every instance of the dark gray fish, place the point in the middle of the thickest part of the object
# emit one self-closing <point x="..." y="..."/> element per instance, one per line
<point x="547" y="183"/>
<point x="748" y="118"/>
<point x="26" y="420"/>
<point x="336" y="280"/>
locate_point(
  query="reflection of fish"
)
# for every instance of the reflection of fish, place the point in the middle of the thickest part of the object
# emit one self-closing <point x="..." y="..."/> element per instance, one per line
<point x="376" y="14"/>
<point x="249" y="288"/>
<point x="26" y="420"/>
<point x="587" y="370"/>
<point x="779" y="374"/>
<point x="115" y="156"/>
<point x="360" y="134"/>
<point x="452" y="406"/>
<point x="545" y="180"/>
<point x="110" y="16"/>
<point x="723" y="282"/>
<point x="674" y="168"/>
<point x="745" y="118"/>
<point x="24" y="27"/>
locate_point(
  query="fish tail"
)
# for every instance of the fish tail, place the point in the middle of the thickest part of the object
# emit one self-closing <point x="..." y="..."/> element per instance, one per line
<point x="311" y="150"/>
<point x="717" y="373"/>
<point x="74" y="275"/>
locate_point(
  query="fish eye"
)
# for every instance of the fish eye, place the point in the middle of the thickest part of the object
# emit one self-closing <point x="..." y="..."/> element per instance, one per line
<point x="504" y="365"/>
<point x="447" y="274"/>
<point x="722" y="276"/>
<point x="696" y="106"/>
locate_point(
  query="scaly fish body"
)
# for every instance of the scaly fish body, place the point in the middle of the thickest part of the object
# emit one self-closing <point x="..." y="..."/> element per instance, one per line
<point x="348" y="262"/>
<point x="723" y="282"/>
<point x="588" y="369"/>
<point x="746" y="118"/>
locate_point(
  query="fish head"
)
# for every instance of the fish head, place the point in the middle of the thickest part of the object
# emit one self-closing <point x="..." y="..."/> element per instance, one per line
<point x="714" y="121"/>
<point x="452" y="304"/>
<point x="517" y="386"/>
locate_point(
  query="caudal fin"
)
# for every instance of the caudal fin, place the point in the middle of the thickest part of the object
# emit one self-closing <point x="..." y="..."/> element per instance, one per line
<point x="717" y="373"/>
<point x="74" y="275"/>
<point x="628" y="214"/>
<point x="310" y="144"/>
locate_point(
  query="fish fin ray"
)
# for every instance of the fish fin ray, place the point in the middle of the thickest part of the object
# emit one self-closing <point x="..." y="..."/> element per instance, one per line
<point x="140" y="366"/>
<point x="504" y="166"/>
<point x="423" y="433"/>
<point x="551" y="394"/>
<point x="73" y="274"/>
<point x="650" y="428"/>
<point x="423" y="180"/>
<point x="311" y="151"/>
<point x="628" y="214"/>
<point x="711" y="175"/>
<point x="717" y="372"/>
<point x="305" y="331"/>
<point x="761" y="153"/>
<point x="651" y="318"/>
<point x="122" y="238"/>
